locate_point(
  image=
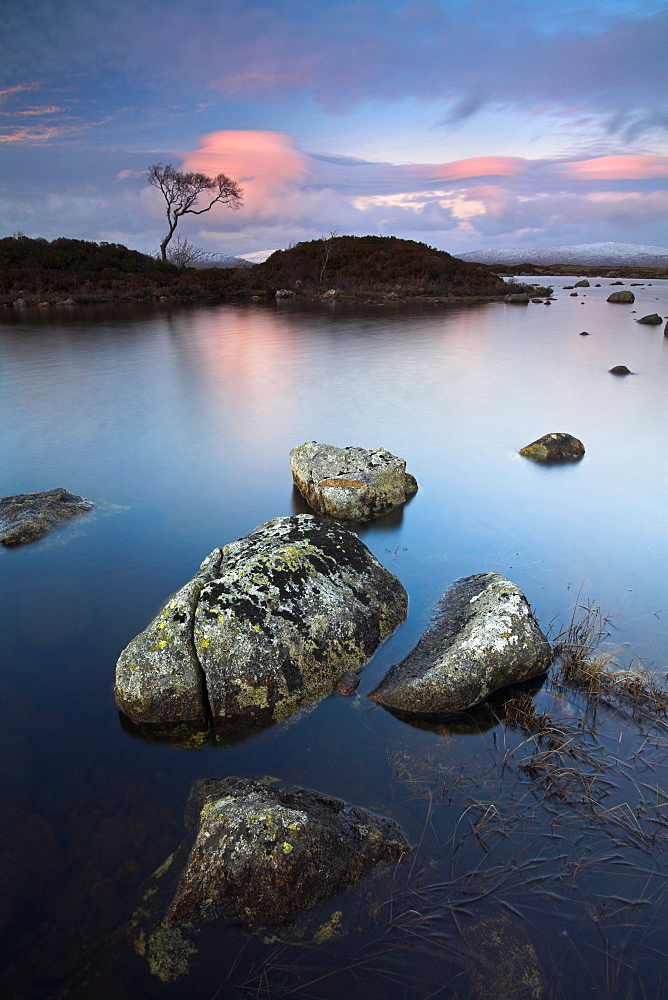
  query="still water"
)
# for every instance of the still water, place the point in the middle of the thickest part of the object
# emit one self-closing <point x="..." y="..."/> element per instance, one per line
<point x="179" y="424"/>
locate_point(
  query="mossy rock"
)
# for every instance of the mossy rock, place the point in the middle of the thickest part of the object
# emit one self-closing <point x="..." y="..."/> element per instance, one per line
<point x="555" y="447"/>
<point x="483" y="637"/>
<point x="268" y="623"/>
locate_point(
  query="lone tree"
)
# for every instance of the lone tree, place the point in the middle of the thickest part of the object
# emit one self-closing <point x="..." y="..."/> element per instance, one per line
<point x="182" y="190"/>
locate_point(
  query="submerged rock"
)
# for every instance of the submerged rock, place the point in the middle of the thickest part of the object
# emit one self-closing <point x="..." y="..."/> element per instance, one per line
<point x="27" y="517"/>
<point x="620" y="370"/>
<point x="352" y="484"/>
<point x="505" y="964"/>
<point x="267" y="623"/>
<point x="483" y="636"/>
<point x="556" y="447"/>
<point x="624" y="297"/>
<point x="265" y="852"/>
<point x="653" y="319"/>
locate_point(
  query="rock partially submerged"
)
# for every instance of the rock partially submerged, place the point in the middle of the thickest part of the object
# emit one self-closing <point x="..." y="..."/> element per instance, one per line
<point x="620" y="370"/>
<point x="268" y="623"/>
<point x="264" y="852"/>
<point x="556" y="447"/>
<point x="623" y="297"/>
<point x="351" y="484"/>
<point x="653" y="319"/>
<point x="483" y="636"/>
<point x="27" y="517"/>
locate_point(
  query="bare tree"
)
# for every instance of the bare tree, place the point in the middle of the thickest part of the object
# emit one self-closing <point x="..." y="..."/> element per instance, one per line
<point x="182" y="190"/>
<point x="326" y="252"/>
<point x="183" y="253"/>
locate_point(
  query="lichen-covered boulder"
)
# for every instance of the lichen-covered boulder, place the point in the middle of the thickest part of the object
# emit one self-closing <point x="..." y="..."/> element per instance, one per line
<point x="623" y="297"/>
<point x="652" y="319"/>
<point x="351" y="484"/>
<point x="483" y="636"/>
<point x="556" y="447"/>
<point x="269" y="622"/>
<point x="264" y="852"/>
<point x="27" y="517"/>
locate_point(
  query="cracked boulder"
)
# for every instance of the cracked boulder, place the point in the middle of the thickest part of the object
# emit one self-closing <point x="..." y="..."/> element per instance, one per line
<point x="264" y="852"/>
<point x="483" y="636"/>
<point x="556" y="447"/>
<point x="27" y="517"/>
<point x="269" y="622"/>
<point x="351" y="484"/>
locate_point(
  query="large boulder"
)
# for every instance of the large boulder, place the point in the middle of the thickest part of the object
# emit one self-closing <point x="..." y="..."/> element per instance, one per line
<point x="483" y="636"/>
<point x="27" y="517"/>
<point x="555" y="447"/>
<point x="623" y="297"/>
<point x="652" y="319"/>
<point x="269" y="622"/>
<point x="264" y="852"/>
<point x="352" y="484"/>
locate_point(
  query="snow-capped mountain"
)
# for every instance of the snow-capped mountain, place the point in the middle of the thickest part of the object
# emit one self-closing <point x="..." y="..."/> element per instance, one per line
<point x="607" y="254"/>
<point x="258" y="256"/>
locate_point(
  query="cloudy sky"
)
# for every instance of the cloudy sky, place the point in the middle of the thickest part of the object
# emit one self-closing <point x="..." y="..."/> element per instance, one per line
<point x="466" y="124"/>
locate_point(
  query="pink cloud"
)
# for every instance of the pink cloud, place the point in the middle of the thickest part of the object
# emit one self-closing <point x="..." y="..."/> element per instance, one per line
<point x="627" y="167"/>
<point x="265" y="164"/>
<point x="479" y="166"/>
<point x="257" y="82"/>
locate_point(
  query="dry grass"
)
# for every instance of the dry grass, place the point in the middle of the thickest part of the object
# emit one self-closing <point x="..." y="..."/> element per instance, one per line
<point x="584" y="666"/>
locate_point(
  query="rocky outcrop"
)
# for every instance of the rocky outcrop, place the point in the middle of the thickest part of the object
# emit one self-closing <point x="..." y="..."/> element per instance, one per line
<point x="351" y="484"/>
<point x="27" y="517"/>
<point x="268" y="623"/>
<point x="653" y="319"/>
<point x="620" y="370"/>
<point x="556" y="447"/>
<point x="624" y="297"/>
<point x="483" y="636"/>
<point x="264" y="852"/>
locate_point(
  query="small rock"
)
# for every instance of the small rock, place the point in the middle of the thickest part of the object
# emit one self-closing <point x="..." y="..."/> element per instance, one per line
<point x="284" y="293"/>
<point x="518" y="298"/>
<point x="574" y="295"/>
<point x="265" y="852"/>
<point x="653" y="319"/>
<point x="483" y="636"/>
<point x="351" y="484"/>
<point x="623" y="297"/>
<point x="620" y="370"/>
<point x="27" y="517"/>
<point x="348" y="684"/>
<point x="20" y="303"/>
<point x="581" y="284"/>
<point x="556" y="447"/>
<point x="584" y="334"/>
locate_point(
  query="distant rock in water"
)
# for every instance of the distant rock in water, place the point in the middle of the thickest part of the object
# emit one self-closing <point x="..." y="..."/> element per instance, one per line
<point x="265" y="852"/>
<point x="653" y="319"/>
<point x="581" y="284"/>
<point x="483" y="636"/>
<point x="556" y="447"/>
<point x="268" y="623"/>
<point x="584" y="334"/>
<point x="620" y="370"/>
<point x="352" y="484"/>
<point x="624" y="297"/>
<point x="27" y="517"/>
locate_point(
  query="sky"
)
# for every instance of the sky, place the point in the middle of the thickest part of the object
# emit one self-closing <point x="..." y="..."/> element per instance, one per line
<point x="465" y="124"/>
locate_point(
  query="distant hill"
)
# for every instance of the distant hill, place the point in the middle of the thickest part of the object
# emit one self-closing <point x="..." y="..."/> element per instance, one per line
<point x="588" y="254"/>
<point x="374" y="264"/>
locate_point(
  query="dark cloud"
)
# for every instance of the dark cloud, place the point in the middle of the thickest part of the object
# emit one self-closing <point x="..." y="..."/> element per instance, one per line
<point x="468" y="55"/>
